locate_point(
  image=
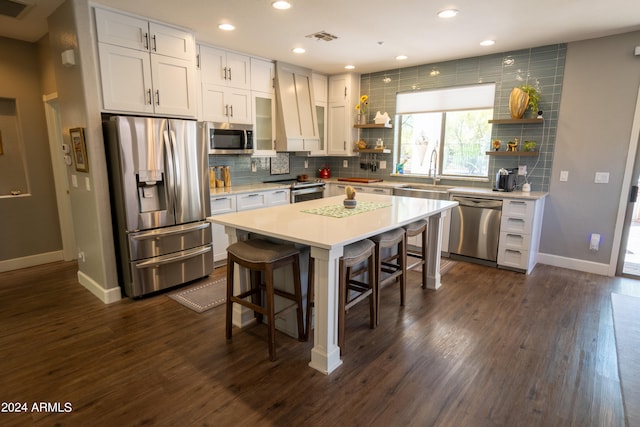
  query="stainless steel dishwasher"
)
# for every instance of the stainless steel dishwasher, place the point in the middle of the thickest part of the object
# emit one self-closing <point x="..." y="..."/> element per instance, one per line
<point x="475" y="229"/>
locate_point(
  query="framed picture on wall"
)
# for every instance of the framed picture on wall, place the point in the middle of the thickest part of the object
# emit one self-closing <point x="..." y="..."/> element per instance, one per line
<point x="79" y="149"/>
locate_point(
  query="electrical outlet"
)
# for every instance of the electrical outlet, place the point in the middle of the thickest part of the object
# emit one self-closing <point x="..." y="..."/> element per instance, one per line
<point x="564" y="175"/>
<point x="81" y="256"/>
<point x="345" y="163"/>
<point x="306" y="164"/>
<point x="254" y="166"/>
<point x="594" y="242"/>
<point x="383" y="164"/>
<point x="522" y="170"/>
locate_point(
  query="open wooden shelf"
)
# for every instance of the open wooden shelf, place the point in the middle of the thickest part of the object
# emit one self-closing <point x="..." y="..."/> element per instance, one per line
<point x="373" y="126"/>
<point x="374" y="150"/>
<point x="513" y="153"/>
<point x="515" y="121"/>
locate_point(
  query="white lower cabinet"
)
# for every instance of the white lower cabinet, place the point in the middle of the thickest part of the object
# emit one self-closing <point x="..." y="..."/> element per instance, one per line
<point x="339" y="189"/>
<point x="520" y="233"/>
<point x="221" y="205"/>
<point x="227" y="203"/>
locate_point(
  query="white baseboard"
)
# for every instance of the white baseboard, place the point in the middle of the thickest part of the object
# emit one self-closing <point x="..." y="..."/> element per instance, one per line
<point x="107" y="296"/>
<point x="31" y="261"/>
<point x="574" y="264"/>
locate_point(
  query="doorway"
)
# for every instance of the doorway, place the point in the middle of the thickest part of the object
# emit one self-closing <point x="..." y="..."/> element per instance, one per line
<point x="63" y="198"/>
<point x="628" y="257"/>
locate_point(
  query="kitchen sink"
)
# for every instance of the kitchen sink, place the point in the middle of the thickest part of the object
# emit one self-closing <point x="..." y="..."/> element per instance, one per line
<point x="423" y="191"/>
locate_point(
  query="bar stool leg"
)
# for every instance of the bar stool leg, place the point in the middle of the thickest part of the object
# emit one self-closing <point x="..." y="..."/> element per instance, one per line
<point x="271" y="317"/>
<point x="424" y="258"/>
<point x="229" y="304"/>
<point x="402" y="260"/>
<point x="297" y="289"/>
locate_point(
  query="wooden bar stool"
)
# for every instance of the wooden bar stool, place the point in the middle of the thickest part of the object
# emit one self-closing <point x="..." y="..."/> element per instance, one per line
<point x="261" y="256"/>
<point x="414" y="229"/>
<point x="391" y="268"/>
<point x="350" y="290"/>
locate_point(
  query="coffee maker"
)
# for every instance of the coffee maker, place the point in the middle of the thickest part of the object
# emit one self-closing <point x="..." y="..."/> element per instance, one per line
<point x="506" y="180"/>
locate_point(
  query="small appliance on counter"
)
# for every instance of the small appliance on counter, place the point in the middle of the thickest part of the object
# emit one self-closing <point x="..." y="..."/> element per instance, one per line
<point x="506" y="180"/>
<point x="325" y="173"/>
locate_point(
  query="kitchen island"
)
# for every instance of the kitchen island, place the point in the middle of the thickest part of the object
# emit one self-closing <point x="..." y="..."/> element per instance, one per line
<point x="311" y="224"/>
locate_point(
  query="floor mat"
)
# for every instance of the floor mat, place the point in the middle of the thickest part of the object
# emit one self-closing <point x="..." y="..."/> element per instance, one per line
<point x="203" y="295"/>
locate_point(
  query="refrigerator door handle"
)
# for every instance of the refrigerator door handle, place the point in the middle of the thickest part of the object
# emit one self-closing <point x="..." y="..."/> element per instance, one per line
<point x="171" y="178"/>
<point x="176" y="164"/>
<point x="159" y="233"/>
<point x="168" y="259"/>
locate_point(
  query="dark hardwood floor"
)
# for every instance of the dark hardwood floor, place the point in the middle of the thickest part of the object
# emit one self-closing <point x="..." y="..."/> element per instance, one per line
<point x="490" y="348"/>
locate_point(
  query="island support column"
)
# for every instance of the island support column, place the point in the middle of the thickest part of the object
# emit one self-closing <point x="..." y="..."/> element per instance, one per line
<point x="434" y="237"/>
<point x="325" y="355"/>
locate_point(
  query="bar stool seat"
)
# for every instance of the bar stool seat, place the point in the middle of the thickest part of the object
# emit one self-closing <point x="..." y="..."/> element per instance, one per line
<point x="394" y="265"/>
<point x="350" y="290"/>
<point x="263" y="257"/>
<point x="418" y="228"/>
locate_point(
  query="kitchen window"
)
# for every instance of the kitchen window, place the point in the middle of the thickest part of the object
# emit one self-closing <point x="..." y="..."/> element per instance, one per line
<point x="445" y="132"/>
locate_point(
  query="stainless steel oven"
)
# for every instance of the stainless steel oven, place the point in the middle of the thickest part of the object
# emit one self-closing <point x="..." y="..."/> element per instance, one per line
<point x="301" y="191"/>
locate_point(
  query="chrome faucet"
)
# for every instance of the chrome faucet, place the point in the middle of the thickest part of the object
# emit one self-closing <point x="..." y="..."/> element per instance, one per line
<point x="433" y="165"/>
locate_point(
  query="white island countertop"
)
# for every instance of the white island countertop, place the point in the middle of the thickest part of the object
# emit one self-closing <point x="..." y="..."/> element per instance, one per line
<point x="327" y="236"/>
<point x="291" y="223"/>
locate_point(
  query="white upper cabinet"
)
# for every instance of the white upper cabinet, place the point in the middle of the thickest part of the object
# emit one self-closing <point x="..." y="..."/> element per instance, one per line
<point x="145" y="67"/>
<point x="226" y="104"/>
<point x="344" y="94"/>
<point x="224" y="68"/>
<point x="262" y="75"/>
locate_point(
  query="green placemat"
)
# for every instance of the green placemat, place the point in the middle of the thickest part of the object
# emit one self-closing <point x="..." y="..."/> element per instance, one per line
<point x="339" y="211"/>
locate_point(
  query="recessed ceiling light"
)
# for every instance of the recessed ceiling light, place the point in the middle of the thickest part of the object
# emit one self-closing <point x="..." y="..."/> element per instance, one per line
<point x="226" y="27"/>
<point x="298" y="50"/>
<point x="401" y="57"/>
<point x="487" y="42"/>
<point x="281" y="4"/>
<point x="448" y="13"/>
<point x="349" y="67"/>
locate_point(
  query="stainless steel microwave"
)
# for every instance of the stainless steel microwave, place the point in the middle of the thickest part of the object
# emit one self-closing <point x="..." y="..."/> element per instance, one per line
<point x="226" y="138"/>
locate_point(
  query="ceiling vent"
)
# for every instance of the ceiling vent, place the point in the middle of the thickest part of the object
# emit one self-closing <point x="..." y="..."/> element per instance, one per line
<point x="11" y="8"/>
<point x="322" y="35"/>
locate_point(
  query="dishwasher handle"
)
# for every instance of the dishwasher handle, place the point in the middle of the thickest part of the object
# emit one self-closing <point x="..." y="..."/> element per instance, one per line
<point x="478" y="203"/>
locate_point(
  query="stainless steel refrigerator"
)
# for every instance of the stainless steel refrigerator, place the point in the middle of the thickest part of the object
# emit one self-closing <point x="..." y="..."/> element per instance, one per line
<point x="159" y="186"/>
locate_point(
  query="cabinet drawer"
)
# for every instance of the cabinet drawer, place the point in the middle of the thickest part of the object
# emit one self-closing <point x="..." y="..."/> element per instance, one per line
<point x="515" y="225"/>
<point x="251" y="201"/>
<point x="517" y="208"/>
<point x="223" y="204"/>
<point x="279" y="197"/>
<point x="515" y="241"/>
<point x="513" y="258"/>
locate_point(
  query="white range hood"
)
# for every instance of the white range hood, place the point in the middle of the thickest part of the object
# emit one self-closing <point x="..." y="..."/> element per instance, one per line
<point x="297" y="122"/>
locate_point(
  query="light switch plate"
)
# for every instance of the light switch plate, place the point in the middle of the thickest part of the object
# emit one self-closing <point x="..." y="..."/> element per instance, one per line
<point x="522" y="169"/>
<point x="602" y="178"/>
<point x="383" y="164"/>
<point x="564" y="175"/>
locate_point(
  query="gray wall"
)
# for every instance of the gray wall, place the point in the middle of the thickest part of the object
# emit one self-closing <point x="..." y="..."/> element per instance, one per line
<point x="28" y="225"/>
<point x="599" y="94"/>
<point x="79" y="98"/>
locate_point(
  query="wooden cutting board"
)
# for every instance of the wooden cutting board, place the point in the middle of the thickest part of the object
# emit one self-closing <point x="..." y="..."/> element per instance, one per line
<point x="360" y="180"/>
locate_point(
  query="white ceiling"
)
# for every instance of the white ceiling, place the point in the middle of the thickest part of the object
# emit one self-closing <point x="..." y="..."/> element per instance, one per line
<point x="371" y="33"/>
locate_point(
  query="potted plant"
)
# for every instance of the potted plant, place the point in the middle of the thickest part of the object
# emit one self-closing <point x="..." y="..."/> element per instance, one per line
<point x="350" y="202"/>
<point x="523" y="98"/>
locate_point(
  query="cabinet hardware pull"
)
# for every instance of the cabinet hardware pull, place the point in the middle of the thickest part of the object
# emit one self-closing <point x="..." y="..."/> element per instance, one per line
<point x="225" y="73"/>
<point x="146" y="41"/>
<point x="226" y="110"/>
<point x="345" y="91"/>
<point x="232" y="111"/>
<point x="229" y="73"/>
<point x="157" y="96"/>
<point x="198" y="60"/>
<point x="517" y="202"/>
<point x="634" y="194"/>
<point x="149" y="96"/>
<point x="155" y="46"/>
